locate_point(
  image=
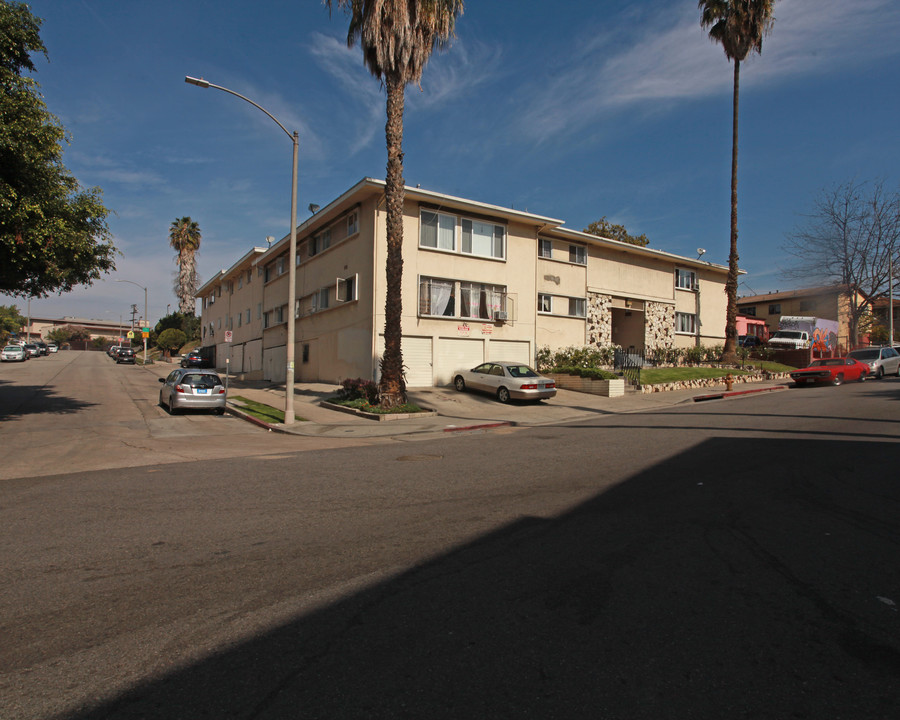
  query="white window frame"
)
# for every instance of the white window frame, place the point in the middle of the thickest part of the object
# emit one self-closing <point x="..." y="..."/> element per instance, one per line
<point x="545" y="248"/>
<point x="545" y="303"/>
<point x="444" y="230"/>
<point x="685" y="279"/>
<point x="577" y="307"/>
<point x="492" y="254"/>
<point x="352" y="223"/>
<point x="578" y="254"/>
<point x="347" y="289"/>
<point x="685" y="319"/>
<point x="280" y="264"/>
<point x="320" y="299"/>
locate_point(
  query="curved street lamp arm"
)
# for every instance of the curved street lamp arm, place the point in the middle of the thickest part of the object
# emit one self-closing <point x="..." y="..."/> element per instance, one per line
<point x="200" y="82"/>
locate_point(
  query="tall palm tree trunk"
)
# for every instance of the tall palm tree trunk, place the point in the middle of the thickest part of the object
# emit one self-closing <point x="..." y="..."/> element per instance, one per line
<point x="731" y="283"/>
<point x="391" y="387"/>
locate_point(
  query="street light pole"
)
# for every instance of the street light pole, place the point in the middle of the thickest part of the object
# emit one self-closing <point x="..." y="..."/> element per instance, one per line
<point x="146" y="316"/>
<point x="292" y="271"/>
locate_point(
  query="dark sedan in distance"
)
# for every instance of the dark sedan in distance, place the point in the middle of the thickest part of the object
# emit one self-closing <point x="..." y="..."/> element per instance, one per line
<point x="833" y="371"/>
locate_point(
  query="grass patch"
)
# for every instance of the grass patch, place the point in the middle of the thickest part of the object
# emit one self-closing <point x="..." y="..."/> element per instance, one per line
<point x="366" y="406"/>
<point x="266" y="413"/>
<point x="655" y="376"/>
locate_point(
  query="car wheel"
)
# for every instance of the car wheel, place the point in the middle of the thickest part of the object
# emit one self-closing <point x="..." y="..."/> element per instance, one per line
<point x="459" y="383"/>
<point x="879" y="373"/>
<point x="220" y="411"/>
<point x="838" y="379"/>
<point x="503" y="395"/>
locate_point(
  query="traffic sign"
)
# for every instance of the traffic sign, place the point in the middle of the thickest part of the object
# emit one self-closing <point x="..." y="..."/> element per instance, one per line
<point x="228" y="336"/>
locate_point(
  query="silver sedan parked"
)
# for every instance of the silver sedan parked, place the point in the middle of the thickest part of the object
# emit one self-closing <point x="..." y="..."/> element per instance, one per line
<point x="191" y="388"/>
<point x="507" y="380"/>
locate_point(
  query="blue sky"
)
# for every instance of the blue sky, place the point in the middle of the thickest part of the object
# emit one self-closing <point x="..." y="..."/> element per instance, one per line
<point x="573" y="110"/>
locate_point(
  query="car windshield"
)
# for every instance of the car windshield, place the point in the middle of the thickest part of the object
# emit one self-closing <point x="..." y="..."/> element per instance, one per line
<point x="518" y="371"/>
<point x="830" y="361"/>
<point x="864" y="354"/>
<point x="793" y="334"/>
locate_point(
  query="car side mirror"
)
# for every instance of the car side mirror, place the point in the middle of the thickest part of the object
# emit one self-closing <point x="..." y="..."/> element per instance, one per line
<point x="162" y="380"/>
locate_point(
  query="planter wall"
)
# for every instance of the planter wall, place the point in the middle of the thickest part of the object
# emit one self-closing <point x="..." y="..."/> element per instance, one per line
<point x="606" y="388"/>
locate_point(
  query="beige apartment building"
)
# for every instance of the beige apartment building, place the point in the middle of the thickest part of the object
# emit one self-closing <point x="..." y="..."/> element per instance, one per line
<point x="480" y="282"/>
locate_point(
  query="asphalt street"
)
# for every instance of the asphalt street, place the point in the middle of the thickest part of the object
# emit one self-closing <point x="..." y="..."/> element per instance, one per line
<point x="731" y="559"/>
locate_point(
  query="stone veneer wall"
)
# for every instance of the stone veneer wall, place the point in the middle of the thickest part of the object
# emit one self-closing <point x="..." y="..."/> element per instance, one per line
<point x="598" y="327"/>
<point x="659" y="326"/>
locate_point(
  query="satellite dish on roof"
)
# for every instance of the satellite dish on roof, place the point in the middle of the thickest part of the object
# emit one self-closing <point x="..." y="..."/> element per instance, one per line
<point x="700" y="252"/>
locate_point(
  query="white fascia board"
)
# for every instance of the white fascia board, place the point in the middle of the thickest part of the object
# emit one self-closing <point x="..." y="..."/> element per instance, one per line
<point x="645" y="251"/>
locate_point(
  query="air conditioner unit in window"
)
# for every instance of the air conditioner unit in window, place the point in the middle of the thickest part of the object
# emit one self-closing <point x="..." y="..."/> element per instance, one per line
<point x="500" y="315"/>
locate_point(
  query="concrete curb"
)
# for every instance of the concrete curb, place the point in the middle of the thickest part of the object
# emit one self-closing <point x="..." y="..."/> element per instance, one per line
<point x="734" y="393"/>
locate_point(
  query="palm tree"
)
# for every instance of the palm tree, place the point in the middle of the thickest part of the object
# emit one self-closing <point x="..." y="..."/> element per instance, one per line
<point x="184" y="237"/>
<point x="397" y="38"/>
<point x="739" y="25"/>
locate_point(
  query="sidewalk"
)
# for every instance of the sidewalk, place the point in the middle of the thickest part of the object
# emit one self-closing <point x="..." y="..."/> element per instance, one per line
<point x="456" y="412"/>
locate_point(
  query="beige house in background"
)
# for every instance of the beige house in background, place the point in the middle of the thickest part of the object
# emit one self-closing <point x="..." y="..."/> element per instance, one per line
<point x="480" y="282"/>
<point x="829" y="302"/>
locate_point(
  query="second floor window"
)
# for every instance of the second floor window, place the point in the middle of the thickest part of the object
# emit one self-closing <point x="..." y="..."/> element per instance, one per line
<point x="578" y="254"/>
<point x="545" y="248"/>
<point x="685" y="279"/>
<point x="476" y="237"/>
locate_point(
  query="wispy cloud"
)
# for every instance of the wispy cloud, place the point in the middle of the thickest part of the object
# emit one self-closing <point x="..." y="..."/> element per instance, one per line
<point x="345" y="66"/>
<point x="674" y="60"/>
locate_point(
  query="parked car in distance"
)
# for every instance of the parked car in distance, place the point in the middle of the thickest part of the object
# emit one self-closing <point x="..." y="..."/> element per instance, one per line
<point x="125" y="355"/>
<point x="193" y="359"/>
<point x="13" y="353"/>
<point x="507" y="380"/>
<point x="112" y="350"/>
<point x="881" y="360"/>
<point x="42" y="348"/>
<point x="833" y="371"/>
<point x="749" y="341"/>
<point x="190" y="388"/>
<point x="53" y="347"/>
<point x="31" y="350"/>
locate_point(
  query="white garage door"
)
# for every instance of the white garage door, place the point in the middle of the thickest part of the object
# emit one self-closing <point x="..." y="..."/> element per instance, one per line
<point x="454" y="354"/>
<point x="416" y="360"/>
<point x="516" y="350"/>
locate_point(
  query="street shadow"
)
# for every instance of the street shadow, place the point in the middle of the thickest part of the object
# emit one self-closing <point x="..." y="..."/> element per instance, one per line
<point x="696" y="589"/>
<point x="20" y="400"/>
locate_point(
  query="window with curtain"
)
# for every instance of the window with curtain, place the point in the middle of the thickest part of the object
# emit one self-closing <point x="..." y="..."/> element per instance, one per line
<point x="437" y="297"/>
<point x="685" y="323"/>
<point x="437" y="230"/>
<point x="481" y="238"/>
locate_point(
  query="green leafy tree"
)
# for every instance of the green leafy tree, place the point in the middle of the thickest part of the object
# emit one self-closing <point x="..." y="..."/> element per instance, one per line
<point x="11" y="321"/>
<point x="188" y="324"/>
<point x="53" y="233"/>
<point x="397" y="38"/>
<point x="603" y="228"/>
<point x="60" y="335"/>
<point x="184" y="237"/>
<point x="739" y="26"/>
<point x="171" y="340"/>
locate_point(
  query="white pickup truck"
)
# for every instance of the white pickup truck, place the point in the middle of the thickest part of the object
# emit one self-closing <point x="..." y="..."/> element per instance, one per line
<point x="790" y="339"/>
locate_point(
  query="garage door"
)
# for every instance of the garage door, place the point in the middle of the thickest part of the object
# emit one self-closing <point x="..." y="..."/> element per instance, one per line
<point x="416" y="360"/>
<point x="516" y="350"/>
<point x="454" y="354"/>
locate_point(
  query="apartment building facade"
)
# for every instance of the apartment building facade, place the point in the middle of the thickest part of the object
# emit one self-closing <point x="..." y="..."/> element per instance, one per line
<point x="480" y="282"/>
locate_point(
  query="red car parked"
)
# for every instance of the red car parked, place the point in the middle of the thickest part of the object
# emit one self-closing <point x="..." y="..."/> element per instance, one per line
<point x="833" y="371"/>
